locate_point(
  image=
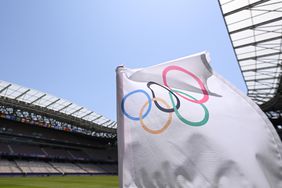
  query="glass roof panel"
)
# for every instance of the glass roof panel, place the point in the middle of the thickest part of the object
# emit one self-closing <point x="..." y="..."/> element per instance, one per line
<point x="255" y="29"/>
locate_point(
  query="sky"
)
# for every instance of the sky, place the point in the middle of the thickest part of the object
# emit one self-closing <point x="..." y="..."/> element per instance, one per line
<point x="70" y="48"/>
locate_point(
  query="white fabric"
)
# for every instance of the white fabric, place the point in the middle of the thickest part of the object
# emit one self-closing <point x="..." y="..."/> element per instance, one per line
<point x="231" y="145"/>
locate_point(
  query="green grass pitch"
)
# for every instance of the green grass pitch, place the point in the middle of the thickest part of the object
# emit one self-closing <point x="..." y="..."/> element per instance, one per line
<point x="60" y="182"/>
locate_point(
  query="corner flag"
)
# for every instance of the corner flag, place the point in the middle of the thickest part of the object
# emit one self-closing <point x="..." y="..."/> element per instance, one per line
<point x="182" y="125"/>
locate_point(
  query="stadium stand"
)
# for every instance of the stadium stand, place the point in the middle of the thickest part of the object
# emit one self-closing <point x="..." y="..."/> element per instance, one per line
<point x="40" y="140"/>
<point x="98" y="169"/>
<point x="9" y="167"/>
<point x="68" y="168"/>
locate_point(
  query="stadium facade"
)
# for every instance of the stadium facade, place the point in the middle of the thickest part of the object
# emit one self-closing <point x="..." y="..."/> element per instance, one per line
<point x="255" y="30"/>
<point x="44" y="135"/>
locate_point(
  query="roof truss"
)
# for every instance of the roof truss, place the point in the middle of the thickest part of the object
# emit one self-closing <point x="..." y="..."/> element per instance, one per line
<point x="255" y="30"/>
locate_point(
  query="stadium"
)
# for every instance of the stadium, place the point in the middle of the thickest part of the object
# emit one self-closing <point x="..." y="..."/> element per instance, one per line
<point x="45" y="136"/>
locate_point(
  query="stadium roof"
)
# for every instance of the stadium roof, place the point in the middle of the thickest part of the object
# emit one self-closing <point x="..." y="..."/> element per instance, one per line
<point x="255" y="29"/>
<point x="36" y="98"/>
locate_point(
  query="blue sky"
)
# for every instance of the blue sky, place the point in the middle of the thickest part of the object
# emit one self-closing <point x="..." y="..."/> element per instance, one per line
<point x="70" y="48"/>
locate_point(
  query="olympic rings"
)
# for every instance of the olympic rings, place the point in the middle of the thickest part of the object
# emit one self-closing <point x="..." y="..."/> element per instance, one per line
<point x="131" y="93"/>
<point x="203" y="88"/>
<point x="187" y="122"/>
<point x="165" y="126"/>
<point x="175" y="106"/>
<point x="157" y="104"/>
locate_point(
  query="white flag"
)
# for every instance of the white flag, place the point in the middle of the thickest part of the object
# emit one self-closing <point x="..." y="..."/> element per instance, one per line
<point x="182" y="125"/>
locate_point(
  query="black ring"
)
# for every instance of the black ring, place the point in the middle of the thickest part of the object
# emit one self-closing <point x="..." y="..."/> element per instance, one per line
<point x="157" y="104"/>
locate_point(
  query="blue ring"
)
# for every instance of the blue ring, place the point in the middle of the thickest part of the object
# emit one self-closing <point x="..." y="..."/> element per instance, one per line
<point x="131" y="93"/>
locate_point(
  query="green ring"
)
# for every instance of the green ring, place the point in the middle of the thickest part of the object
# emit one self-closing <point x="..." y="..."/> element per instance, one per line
<point x="187" y="122"/>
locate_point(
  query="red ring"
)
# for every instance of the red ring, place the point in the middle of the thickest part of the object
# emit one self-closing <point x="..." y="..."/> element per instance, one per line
<point x="203" y="88"/>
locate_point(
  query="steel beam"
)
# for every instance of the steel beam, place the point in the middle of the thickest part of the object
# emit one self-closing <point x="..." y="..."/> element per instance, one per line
<point x="6" y="87"/>
<point x="261" y="79"/>
<point x="256" y="25"/>
<point x="245" y="7"/>
<point x="97" y="118"/>
<point x="52" y="103"/>
<point x="265" y="88"/>
<point x="38" y="98"/>
<point x="105" y="122"/>
<point x="76" y="111"/>
<point x="22" y="94"/>
<point x="257" y="42"/>
<point x="260" y="56"/>
<point x="261" y="68"/>
<point x="86" y="115"/>
<point x="65" y="107"/>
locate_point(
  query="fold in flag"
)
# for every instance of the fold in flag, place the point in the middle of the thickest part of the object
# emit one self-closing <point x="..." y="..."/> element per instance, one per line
<point x="182" y="125"/>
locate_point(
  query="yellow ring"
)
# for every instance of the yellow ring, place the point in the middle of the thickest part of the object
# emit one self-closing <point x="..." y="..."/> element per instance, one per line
<point x="166" y="125"/>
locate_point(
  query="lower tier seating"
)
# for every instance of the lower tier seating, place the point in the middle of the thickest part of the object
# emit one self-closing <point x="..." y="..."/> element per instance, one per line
<point x="24" y="167"/>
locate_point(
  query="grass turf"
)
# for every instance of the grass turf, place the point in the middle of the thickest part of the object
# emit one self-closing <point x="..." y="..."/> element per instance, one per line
<point x="60" y="182"/>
